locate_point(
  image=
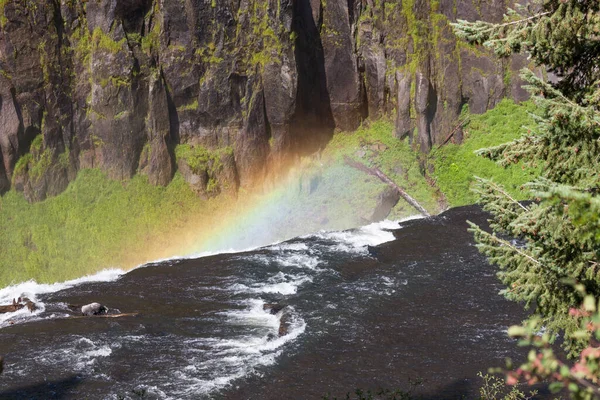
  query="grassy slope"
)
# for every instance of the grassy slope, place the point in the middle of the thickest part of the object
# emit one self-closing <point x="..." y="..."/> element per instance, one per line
<point x="94" y="221"/>
<point x="98" y="223"/>
<point x="456" y="165"/>
<point x="398" y="161"/>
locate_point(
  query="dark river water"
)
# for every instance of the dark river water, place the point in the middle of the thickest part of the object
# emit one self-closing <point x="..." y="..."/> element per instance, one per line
<point x="421" y="304"/>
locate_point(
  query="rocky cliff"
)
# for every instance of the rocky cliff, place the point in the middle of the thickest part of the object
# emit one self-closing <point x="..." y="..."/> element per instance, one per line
<point x="226" y="91"/>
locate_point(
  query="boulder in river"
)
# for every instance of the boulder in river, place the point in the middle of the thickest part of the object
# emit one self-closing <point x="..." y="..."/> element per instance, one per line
<point x="274" y="308"/>
<point x="94" y="309"/>
<point x="285" y="323"/>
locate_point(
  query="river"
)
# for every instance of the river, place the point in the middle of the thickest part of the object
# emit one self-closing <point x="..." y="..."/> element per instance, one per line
<point x="374" y="307"/>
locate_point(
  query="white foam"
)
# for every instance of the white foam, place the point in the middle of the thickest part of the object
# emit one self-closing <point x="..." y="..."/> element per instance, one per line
<point x="240" y="357"/>
<point x="357" y="240"/>
<point x="285" y="284"/>
<point x="253" y="314"/>
<point x="79" y="354"/>
<point x="298" y="260"/>
<point x="288" y="247"/>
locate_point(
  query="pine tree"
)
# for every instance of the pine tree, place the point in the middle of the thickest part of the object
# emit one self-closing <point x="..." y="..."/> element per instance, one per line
<point x="546" y="248"/>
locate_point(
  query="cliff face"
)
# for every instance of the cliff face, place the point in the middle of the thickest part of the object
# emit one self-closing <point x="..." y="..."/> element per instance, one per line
<point x="235" y="88"/>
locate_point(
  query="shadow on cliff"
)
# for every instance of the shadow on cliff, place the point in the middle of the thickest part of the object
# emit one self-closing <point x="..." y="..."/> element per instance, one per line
<point x="313" y="122"/>
<point x="60" y="389"/>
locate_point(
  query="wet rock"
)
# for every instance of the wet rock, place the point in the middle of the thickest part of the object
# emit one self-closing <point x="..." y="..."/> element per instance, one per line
<point x="93" y="309"/>
<point x="423" y="106"/>
<point x="386" y="201"/>
<point x="252" y="146"/>
<point x="403" y="120"/>
<point x="285" y="324"/>
<point x="274" y="308"/>
<point x="375" y="69"/>
<point x="280" y="88"/>
<point x="160" y="163"/>
<point x="341" y="69"/>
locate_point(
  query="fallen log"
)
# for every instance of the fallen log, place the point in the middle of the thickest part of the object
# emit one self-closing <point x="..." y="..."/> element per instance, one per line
<point x="460" y="125"/>
<point x="105" y="316"/>
<point x="376" y="172"/>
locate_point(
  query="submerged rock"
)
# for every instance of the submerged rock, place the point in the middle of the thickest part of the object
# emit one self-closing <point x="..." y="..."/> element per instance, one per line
<point x="285" y="323"/>
<point x="274" y="308"/>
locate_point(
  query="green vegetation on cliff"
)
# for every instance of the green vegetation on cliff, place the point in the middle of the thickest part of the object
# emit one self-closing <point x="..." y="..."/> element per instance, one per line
<point x="457" y="165"/>
<point x="99" y="223"/>
<point x="375" y="145"/>
<point x="454" y="166"/>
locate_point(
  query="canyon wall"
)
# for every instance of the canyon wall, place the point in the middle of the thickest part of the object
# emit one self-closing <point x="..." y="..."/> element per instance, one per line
<point x="227" y="91"/>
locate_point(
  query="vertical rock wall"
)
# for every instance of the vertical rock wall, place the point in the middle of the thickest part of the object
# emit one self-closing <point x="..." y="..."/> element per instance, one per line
<point x="121" y="85"/>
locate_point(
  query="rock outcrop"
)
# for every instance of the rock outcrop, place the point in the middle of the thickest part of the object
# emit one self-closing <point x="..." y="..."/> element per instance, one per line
<point x="120" y="85"/>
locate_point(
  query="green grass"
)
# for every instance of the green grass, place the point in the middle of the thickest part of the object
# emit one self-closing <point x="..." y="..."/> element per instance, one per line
<point x="456" y="165"/>
<point x="374" y="144"/>
<point x="96" y="223"/>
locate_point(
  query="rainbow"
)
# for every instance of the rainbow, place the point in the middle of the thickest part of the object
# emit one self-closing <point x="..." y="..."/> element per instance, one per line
<point x="306" y="200"/>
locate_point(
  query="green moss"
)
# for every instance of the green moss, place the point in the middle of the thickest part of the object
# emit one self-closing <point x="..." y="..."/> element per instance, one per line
<point x="22" y="164"/>
<point x="44" y="62"/>
<point x="264" y="44"/>
<point x="456" y="165"/>
<point x="189" y="107"/>
<point x="134" y="37"/>
<point x="196" y="157"/>
<point x="207" y="54"/>
<point x="177" y="47"/>
<point x="38" y="141"/>
<point x="507" y="77"/>
<point x="102" y="41"/>
<point x="5" y="74"/>
<point x="3" y="19"/>
<point x="212" y="185"/>
<point x="120" y="81"/>
<point x="151" y="41"/>
<point x="40" y="164"/>
<point x="64" y="158"/>
<point x="36" y="162"/>
<point x="121" y="115"/>
<point x="201" y="160"/>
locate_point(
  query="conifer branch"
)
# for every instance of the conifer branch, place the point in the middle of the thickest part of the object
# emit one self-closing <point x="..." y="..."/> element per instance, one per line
<point x="513" y="248"/>
<point x="502" y="191"/>
<point x="522" y="20"/>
